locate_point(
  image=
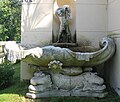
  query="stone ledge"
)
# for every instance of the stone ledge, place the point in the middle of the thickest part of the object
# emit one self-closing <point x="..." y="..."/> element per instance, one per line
<point x="65" y="93"/>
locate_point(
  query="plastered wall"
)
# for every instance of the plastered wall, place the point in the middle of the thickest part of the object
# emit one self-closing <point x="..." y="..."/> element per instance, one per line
<point x="91" y="18"/>
<point x="36" y="23"/>
<point x="114" y="31"/>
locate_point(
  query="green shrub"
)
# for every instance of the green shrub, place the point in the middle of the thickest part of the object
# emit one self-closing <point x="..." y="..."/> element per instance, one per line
<point x="6" y="74"/>
<point x="10" y="20"/>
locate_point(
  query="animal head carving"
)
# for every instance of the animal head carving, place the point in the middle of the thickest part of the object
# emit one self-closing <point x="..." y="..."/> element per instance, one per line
<point x="93" y="78"/>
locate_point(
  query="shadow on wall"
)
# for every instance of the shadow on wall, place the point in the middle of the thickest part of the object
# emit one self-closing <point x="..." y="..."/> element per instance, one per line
<point x="36" y="17"/>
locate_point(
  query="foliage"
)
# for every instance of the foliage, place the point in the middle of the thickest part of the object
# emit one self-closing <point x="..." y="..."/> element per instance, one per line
<point x="6" y="74"/>
<point x="10" y="16"/>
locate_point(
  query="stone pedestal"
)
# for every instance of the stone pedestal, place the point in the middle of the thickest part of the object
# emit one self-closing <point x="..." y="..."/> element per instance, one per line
<point x="55" y="84"/>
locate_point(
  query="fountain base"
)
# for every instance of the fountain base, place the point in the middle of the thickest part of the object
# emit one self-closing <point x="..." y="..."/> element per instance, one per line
<point x="55" y="84"/>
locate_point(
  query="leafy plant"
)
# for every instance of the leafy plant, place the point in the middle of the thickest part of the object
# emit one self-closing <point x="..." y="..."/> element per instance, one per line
<point x="10" y="18"/>
<point x="6" y="74"/>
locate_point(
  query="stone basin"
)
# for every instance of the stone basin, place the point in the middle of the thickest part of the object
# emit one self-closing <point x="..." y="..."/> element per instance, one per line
<point x="42" y="56"/>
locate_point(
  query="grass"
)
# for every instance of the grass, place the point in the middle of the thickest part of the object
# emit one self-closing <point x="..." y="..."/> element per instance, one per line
<point x="16" y="93"/>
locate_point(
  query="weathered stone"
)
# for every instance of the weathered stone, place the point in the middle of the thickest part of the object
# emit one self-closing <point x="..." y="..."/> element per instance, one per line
<point x="42" y="56"/>
<point x="72" y="71"/>
<point x="64" y="15"/>
<point x="56" y="67"/>
<point x="39" y="88"/>
<point x="46" y="80"/>
<point x="48" y="94"/>
<point x="94" y="87"/>
<point x="86" y="84"/>
<point x="71" y="82"/>
<point x="66" y="93"/>
<point x="39" y="74"/>
<point x="84" y="49"/>
<point x="87" y="69"/>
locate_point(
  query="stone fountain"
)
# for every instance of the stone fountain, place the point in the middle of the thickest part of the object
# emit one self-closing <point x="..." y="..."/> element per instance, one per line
<point x="61" y="71"/>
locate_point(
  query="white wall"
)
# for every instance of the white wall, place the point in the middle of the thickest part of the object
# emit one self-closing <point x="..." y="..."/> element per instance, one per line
<point x="91" y="21"/>
<point x="36" y="23"/>
<point x="114" y="27"/>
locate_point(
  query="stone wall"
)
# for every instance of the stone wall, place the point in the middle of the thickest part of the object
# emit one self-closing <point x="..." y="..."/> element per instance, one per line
<point x="114" y="31"/>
